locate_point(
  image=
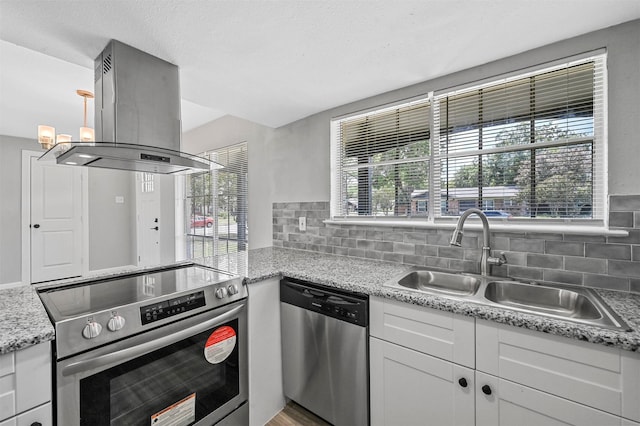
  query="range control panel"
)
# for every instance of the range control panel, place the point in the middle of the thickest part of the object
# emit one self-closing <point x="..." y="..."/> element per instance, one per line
<point x="171" y="307"/>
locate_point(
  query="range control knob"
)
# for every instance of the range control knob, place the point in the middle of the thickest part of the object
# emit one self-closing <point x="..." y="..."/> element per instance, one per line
<point x="91" y="330"/>
<point x="116" y="322"/>
<point x="221" y="293"/>
<point x="233" y="289"/>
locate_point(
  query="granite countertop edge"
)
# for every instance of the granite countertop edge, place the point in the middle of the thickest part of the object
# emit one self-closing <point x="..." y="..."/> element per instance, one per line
<point x="368" y="276"/>
<point x="24" y="321"/>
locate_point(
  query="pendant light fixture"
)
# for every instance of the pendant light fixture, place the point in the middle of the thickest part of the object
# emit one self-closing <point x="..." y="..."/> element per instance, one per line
<point x="87" y="134"/>
<point x="47" y="134"/>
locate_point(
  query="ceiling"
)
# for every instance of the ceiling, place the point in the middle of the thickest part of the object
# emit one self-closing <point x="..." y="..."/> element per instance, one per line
<point x="268" y="61"/>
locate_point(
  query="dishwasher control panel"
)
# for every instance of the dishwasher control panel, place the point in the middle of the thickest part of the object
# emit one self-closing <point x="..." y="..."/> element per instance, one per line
<point x="347" y="307"/>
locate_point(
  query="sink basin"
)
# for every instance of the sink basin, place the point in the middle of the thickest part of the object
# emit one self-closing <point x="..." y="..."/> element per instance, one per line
<point x="440" y="282"/>
<point x="565" y="302"/>
<point x="546" y="300"/>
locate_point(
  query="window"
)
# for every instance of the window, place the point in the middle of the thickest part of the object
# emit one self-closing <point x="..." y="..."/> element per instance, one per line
<point x="530" y="146"/>
<point x="216" y="205"/>
<point x="382" y="159"/>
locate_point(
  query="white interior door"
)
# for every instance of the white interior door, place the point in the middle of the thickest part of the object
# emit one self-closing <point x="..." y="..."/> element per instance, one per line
<point x="56" y="221"/>
<point x="149" y="224"/>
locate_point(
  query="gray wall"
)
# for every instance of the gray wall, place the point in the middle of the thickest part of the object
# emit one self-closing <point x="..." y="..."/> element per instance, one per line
<point x="112" y="227"/>
<point x="112" y="235"/>
<point x="10" y="205"/>
<point x="230" y="130"/>
<point x="301" y="149"/>
<point x="296" y="165"/>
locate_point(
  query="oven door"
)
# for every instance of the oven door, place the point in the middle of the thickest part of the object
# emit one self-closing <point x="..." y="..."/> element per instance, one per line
<point x="192" y="371"/>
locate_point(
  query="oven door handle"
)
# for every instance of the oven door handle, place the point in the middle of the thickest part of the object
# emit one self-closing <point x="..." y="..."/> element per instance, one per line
<point x="135" y="351"/>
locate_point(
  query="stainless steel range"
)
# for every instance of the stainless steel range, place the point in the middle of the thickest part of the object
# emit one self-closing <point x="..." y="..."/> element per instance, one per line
<point x="163" y="347"/>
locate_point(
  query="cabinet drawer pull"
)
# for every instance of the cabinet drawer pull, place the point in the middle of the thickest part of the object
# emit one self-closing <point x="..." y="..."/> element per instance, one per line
<point x="486" y="389"/>
<point x="463" y="382"/>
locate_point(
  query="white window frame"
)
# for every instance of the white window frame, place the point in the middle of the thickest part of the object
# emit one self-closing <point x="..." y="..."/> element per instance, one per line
<point x="434" y="218"/>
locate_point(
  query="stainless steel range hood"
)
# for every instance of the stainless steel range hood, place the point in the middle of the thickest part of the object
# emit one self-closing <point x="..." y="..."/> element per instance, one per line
<point x="137" y="117"/>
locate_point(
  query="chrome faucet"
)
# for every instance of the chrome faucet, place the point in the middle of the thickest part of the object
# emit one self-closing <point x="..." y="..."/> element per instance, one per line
<point x="486" y="259"/>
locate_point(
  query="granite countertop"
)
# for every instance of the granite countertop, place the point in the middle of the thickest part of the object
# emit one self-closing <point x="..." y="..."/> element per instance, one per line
<point x="23" y="320"/>
<point x="367" y="276"/>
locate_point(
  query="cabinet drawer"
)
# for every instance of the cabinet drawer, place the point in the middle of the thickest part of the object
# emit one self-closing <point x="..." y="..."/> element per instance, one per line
<point x="594" y="375"/>
<point x="25" y="379"/>
<point x="442" y="334"/>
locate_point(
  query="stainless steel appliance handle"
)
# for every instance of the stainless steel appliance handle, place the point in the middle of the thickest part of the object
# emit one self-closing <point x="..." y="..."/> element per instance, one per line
<point x="134" y="351"/>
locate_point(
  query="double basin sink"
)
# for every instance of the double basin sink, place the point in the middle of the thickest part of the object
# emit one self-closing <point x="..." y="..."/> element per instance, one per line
<point x="569" y="303"/>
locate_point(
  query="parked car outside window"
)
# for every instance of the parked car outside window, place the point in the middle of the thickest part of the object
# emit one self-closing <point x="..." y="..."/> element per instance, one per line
<point x="201" y="221"/>
<point x="496" y="213"/>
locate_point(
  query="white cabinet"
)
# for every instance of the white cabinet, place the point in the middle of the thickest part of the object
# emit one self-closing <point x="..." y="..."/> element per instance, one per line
<point x="593" y="375"/>
<point x="504" y="403"/>
<point x="413" y="378"/>
<point x="514" y="376"/>
<point x="412" y="388"/>
<point x="25" y="386"/>
<point x="35" y="417"/>
<point x="266" y="397"/>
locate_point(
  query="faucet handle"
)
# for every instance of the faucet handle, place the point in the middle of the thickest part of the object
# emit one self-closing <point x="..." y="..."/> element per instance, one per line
<point x="498" y="260"/>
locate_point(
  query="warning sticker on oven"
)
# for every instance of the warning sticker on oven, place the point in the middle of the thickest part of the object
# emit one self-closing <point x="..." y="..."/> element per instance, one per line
<point x="220" y="344"/>
<point x="182" y="413"/>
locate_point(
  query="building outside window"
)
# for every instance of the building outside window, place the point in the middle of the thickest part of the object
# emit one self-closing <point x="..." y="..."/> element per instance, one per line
<point x="530" y="145"/>
<point x="216" y="205"/>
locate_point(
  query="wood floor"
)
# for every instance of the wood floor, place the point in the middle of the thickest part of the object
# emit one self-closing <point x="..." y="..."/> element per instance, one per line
<point x="295" y="415"/>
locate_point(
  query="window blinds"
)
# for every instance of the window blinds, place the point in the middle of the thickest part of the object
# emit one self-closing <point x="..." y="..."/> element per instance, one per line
<point x="222" y="195"/>
<point x="531" y="145"/>
<point x="381" y="159"/>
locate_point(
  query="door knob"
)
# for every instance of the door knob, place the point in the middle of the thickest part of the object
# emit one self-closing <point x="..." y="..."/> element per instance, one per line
<point x="486" y="389"/>
<point x="155" y="227"/>
<point x="37" y="225"/>
<point x="463" y="382"/>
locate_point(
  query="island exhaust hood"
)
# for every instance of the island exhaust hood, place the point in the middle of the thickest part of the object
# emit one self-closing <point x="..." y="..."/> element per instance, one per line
<point x="137" y="117"/>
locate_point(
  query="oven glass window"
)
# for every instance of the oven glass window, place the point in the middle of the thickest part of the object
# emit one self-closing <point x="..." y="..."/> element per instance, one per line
<point x="173" y="385"/>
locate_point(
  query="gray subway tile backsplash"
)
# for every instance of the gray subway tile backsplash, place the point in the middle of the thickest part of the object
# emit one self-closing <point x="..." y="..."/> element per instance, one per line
<point x="608" y="251"/>
<point x="624" y="203"/>
<point x="621" y="219"/>
<point x="591" y="260"/>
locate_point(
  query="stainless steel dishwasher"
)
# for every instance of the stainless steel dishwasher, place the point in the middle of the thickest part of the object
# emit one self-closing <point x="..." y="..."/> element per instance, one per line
<point x="325" y="352"/>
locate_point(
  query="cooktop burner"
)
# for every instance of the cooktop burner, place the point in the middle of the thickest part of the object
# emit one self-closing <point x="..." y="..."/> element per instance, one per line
<point x="90" y="313"/>
<point x="69" y="302"/>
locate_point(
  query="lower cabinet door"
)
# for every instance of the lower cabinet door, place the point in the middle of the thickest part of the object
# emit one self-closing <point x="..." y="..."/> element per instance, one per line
<point x="39" y="416"/>
<point x="411" y="388"/>
<point x="501" y="402"/>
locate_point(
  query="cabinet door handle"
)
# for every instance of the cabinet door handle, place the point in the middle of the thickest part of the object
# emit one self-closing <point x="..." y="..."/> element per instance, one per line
<point x="36" y="424"/>
<point x="463" y="382"/>
<point x="486" y="389"/>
